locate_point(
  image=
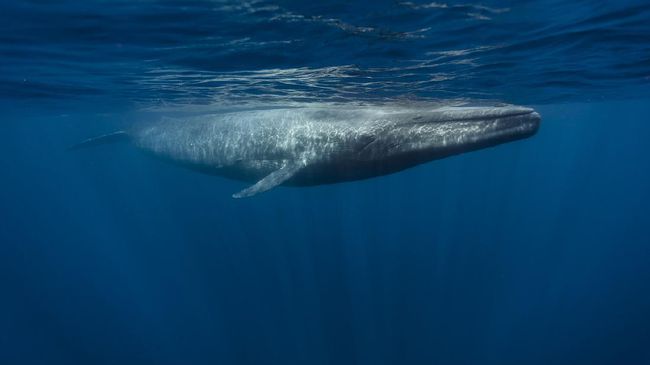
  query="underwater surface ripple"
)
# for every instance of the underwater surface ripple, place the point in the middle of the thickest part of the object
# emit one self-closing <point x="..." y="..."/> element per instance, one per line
<point x="162" y="53"/>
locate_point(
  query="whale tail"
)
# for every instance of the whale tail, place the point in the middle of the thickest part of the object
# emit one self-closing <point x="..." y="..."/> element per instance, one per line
<point x="110" y="138"/>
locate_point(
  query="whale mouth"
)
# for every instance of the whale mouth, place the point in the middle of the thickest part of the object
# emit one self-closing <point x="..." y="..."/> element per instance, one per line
<point x="506" y="120"/>
<point x="509" y="121"/>
<point x="480" y="126"/>
<point x="522" y="124"/>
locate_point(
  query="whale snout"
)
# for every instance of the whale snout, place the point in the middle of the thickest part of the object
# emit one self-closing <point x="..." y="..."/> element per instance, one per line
<point x="520" y="126"/>
<point x="535" y="121"/>
<point x="515" y="122"/>
<point x="527" y="124"/>
<point x="490" y="126"/>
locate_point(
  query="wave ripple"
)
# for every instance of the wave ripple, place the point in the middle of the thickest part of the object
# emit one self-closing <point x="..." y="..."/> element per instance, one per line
<point x="227" y="52"/>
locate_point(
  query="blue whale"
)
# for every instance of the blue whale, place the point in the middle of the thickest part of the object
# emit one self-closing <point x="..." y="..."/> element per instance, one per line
<point x="321" y="145"/>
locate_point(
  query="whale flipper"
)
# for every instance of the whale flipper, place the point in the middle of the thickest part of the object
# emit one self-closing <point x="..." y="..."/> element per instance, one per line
<point x="271" y="180"/>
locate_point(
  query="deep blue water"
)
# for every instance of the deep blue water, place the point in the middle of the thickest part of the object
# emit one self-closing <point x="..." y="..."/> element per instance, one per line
<point x="533" y="252"/>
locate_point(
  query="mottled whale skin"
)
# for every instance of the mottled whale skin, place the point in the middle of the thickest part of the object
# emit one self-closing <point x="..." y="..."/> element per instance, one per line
<point x="318" y="145"/>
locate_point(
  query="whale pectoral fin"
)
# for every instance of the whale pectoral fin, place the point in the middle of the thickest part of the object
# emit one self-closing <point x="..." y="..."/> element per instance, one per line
<point x="271" y="180"/>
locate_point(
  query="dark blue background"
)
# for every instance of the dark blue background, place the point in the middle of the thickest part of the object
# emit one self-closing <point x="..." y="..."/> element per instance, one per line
<point x="534" y="252"/>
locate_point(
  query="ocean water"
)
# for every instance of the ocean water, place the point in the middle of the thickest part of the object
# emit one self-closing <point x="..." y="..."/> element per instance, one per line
<point x="532" y="252"/>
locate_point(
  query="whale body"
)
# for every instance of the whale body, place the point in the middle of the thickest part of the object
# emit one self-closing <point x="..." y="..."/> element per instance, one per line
<point x="318" y="145"/>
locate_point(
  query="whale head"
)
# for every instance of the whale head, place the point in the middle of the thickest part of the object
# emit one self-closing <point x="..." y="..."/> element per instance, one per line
<point x="418" y="136"/>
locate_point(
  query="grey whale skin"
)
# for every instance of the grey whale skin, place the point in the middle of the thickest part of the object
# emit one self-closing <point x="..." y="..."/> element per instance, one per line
<point x="312" y="146"/>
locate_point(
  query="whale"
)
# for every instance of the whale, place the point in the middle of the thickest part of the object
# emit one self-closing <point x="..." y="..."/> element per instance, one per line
<point x="306" y="146"/>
